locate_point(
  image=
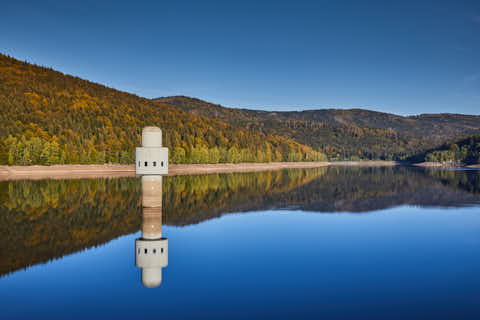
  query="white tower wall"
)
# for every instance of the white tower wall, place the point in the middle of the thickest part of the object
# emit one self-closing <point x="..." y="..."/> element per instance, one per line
<point x="151" y="158"/>
<point x="152" y="192"/>
<point x="151" y="256"/>
<point x="151" y="250"/>
<point x="152" y="137"/>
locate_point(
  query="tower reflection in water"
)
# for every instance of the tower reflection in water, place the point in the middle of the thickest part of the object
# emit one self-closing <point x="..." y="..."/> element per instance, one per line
<point x="151" y="250"/>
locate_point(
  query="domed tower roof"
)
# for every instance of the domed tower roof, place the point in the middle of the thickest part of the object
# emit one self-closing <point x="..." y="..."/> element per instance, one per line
<point x="152" y="277"/>
<point x="151" y="129"/>
<point x="152" y="137"/>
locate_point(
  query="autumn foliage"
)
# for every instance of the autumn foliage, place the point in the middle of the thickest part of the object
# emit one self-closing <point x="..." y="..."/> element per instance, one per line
<point x="51" y="118"/>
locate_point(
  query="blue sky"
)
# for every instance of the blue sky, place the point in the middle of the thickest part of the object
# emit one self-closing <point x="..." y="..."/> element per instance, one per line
<point x="405" y="57"/>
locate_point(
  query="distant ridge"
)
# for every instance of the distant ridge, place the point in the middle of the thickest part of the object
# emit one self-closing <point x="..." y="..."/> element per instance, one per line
<point x="344" y="133"/>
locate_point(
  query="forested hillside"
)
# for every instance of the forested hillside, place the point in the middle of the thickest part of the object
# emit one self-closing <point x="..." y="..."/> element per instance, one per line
<point x="466" y="151"/>
<point x="344" y="134"/>
<point x="51" y="118"/>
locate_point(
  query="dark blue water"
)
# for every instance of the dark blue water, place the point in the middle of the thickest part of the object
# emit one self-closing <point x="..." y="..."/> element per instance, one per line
<point x="400" y="262"/>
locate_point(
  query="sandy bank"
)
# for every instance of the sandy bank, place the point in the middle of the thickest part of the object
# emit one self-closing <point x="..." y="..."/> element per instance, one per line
<point x="431" y="164"/>
<point x="69" y="171"/>
<point x="117" y="170"/>
<point x="365" y="163"/>
<point x="439" y="164"/>
<point x="476" y="166"/>
<point x="446" y="165"/>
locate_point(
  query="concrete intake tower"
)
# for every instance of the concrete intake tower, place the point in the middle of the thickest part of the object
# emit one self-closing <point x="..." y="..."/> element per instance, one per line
<point x="151" y="250"/>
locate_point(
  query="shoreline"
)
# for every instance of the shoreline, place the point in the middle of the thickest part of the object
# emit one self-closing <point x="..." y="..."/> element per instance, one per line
<point x="77" y="171"/>
<point x="445" y="165"/>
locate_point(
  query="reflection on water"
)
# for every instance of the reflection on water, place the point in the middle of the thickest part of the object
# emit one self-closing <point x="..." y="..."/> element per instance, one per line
<point x="48" y="219"/>
<point x="414" y="258"/>
<point x="151" y="250"/>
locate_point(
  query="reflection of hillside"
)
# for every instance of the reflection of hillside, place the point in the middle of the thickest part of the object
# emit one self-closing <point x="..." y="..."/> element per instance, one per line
<point x="337" y="189"/>
<point x="44" y="220"/>
<point x="47" y="219"/>
<point x="463" y="180"/>
<point x="192" y="199"/>
<point x="368" y="189"/>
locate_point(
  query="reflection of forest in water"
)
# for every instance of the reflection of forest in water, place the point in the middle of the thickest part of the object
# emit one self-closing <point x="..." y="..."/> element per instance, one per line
<point x="46" y="219"/>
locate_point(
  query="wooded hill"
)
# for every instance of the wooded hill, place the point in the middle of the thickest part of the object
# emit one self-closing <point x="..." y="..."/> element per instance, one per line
<point x="465" y="151"/>
<point x="344" y="134"/>
<point x="48" y="117"/>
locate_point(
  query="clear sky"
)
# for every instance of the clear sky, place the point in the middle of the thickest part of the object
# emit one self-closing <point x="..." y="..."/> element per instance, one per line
<point x="406" y="57"/>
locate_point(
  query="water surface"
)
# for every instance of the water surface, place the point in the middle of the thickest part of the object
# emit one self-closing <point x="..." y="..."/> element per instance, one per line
<point x="327" y="242"/>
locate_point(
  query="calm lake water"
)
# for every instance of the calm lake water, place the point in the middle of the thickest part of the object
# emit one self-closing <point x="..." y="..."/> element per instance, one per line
<point x="332" y="243"/>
